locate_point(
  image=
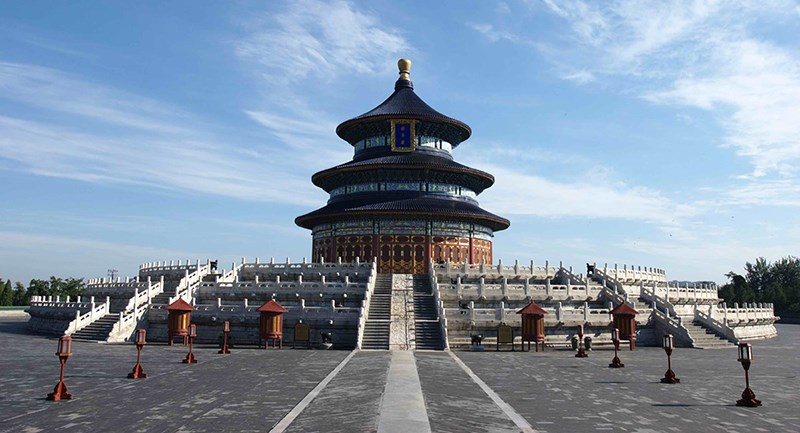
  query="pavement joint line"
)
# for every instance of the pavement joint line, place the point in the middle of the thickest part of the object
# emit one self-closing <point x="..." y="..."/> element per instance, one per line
<point x="505" y="407"/>
<point x="403" y="404"/>
<point x="284" y="423"/>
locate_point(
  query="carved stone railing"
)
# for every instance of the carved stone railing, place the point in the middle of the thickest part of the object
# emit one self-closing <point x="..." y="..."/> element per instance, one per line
<point x="721" y="329"/>
<point x="440" y="311"/>
<point x="674" y="326"/>
<point x="96" y="311"/>
<point x="468" y="269"/>
<point x="363" y="312"/>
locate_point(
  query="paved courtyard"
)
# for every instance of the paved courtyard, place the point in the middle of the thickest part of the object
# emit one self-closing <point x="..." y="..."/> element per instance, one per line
<point x="340" y="391"/>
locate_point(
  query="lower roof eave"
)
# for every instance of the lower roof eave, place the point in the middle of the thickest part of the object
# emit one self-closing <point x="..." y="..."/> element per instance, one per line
<point x="308" y="221"/>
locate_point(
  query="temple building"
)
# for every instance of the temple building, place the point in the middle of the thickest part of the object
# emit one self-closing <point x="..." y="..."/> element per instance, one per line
<point x="402" y="198"/>
<point x="402" y="260"/>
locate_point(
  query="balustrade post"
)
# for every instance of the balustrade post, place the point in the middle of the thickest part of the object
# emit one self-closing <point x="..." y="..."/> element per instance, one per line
<point x="527" y="286"/>
<point x="472" y="311"/>
<point x="548" y="287"/>
<point x="502" y="312"/>
<point x="504" y="286"/>
<point x="569" y="286"/>
<point x="480" y="286"/>
<point x="559" y="312"/>
<point x="458" y="286"/>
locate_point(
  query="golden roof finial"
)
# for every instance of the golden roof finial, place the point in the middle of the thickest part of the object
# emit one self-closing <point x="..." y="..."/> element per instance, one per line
<point x="405" y="68"/>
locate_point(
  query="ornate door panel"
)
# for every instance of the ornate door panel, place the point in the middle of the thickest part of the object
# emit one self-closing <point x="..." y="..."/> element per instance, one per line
<point x="402" y="254"/>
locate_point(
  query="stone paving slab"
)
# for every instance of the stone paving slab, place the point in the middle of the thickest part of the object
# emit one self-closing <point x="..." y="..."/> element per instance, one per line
<point x="251" y="390"/>
<point x="455" y="402"/>
<point x="351" y="401"/>
<point x="247" y="391"/>
<point x="556" y="392"/>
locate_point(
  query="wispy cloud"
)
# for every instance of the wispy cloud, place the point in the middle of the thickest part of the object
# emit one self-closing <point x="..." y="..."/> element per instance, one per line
<point x="40" y="256"/>
<point x="703" y="54"/>
<point x="129" y="139"/>
<point x="311" y="38"/>
<point x="57" y="91"/>
<point x="171" y="163"/>
<point x="580" y="77"/>
<point x="518" y="193"/>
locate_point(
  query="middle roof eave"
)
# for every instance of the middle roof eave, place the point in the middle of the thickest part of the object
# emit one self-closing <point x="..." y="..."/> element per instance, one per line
<point x="413" y="160"/>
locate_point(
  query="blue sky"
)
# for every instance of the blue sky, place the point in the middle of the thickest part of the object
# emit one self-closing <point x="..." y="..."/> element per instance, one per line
<point x="660" y="134"/>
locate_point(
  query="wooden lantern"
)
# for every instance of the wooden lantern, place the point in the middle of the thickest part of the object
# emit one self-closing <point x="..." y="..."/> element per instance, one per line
<point x="625" y="321"/>
<point x="532" y="325"/>
<point x="180" y="313"/>
<point x="270" y="323"/>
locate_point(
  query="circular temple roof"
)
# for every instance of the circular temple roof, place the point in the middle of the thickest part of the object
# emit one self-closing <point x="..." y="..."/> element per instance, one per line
<point x="408" y="205"/>
<point x="403" y="103"/>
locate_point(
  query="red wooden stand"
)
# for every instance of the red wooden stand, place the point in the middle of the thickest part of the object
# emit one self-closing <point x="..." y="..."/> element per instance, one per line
<point x="60" y="391"/>
<point x="748" y="396"/>
<point x="138" y="372"/>
<point x="669" y="376"/>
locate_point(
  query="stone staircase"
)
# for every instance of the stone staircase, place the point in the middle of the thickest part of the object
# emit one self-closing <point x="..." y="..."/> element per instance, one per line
<point x="704" y="338"/>
<point x="162" y="298"/>
<point x="427" y="331"/>
<point x="376" y="328"/>
<point x="100" y="329"/>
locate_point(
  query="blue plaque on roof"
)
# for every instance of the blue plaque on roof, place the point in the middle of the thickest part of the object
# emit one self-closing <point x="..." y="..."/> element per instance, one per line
<point x="403" y="136"/>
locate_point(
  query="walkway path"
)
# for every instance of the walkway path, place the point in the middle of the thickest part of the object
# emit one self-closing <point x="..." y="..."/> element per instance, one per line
<point x="254" y="390"/>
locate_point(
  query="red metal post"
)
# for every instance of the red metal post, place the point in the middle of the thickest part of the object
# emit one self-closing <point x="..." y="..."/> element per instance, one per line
<point x="64" y="351"/>
<point x="616" y="363"/>
<point x="138" y="372"/>
<point x="190" y="359"/>
<point x="748" y="396"/>
<point x="669" y="375"/>
<point x="581" y="353"/>
<point x="226" y="328"/>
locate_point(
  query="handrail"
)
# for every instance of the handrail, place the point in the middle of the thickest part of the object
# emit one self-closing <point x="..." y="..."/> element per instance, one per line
<point x="719" y="328"/>
<point x="676" y="326"/>
<point x="364" y="310"/>
<point x="440" y="311"/>
<point x="83" y="320"/>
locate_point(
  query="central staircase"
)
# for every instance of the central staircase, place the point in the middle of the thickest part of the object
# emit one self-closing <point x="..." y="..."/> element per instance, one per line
<point x="704" y="338"/>
<point x="376" y="327"/>
<point x="100" y="328"/>
<point x="427" y="331"/>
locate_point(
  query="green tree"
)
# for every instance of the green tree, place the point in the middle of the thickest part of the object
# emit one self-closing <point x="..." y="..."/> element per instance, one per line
<point x="7" y="294"/>
<point x="21" y="295"/>
<point x="777" y="283"/>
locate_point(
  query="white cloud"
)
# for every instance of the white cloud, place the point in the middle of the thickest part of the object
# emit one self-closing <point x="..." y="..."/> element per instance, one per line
<point x="321" y="40"/>
<point x="492" y="34"/>
<point x="517" y="193"/>
<point x="54" y="90"/>
<point x="704" y="54"/>
<point x="39" y="256"/>
<point x="174" y="163"/>
<point x="580" y="77"/>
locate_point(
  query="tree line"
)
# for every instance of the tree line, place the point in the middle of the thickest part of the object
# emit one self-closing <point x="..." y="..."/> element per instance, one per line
<point x="18" y="294"/>
<point x="777" y="282"/>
